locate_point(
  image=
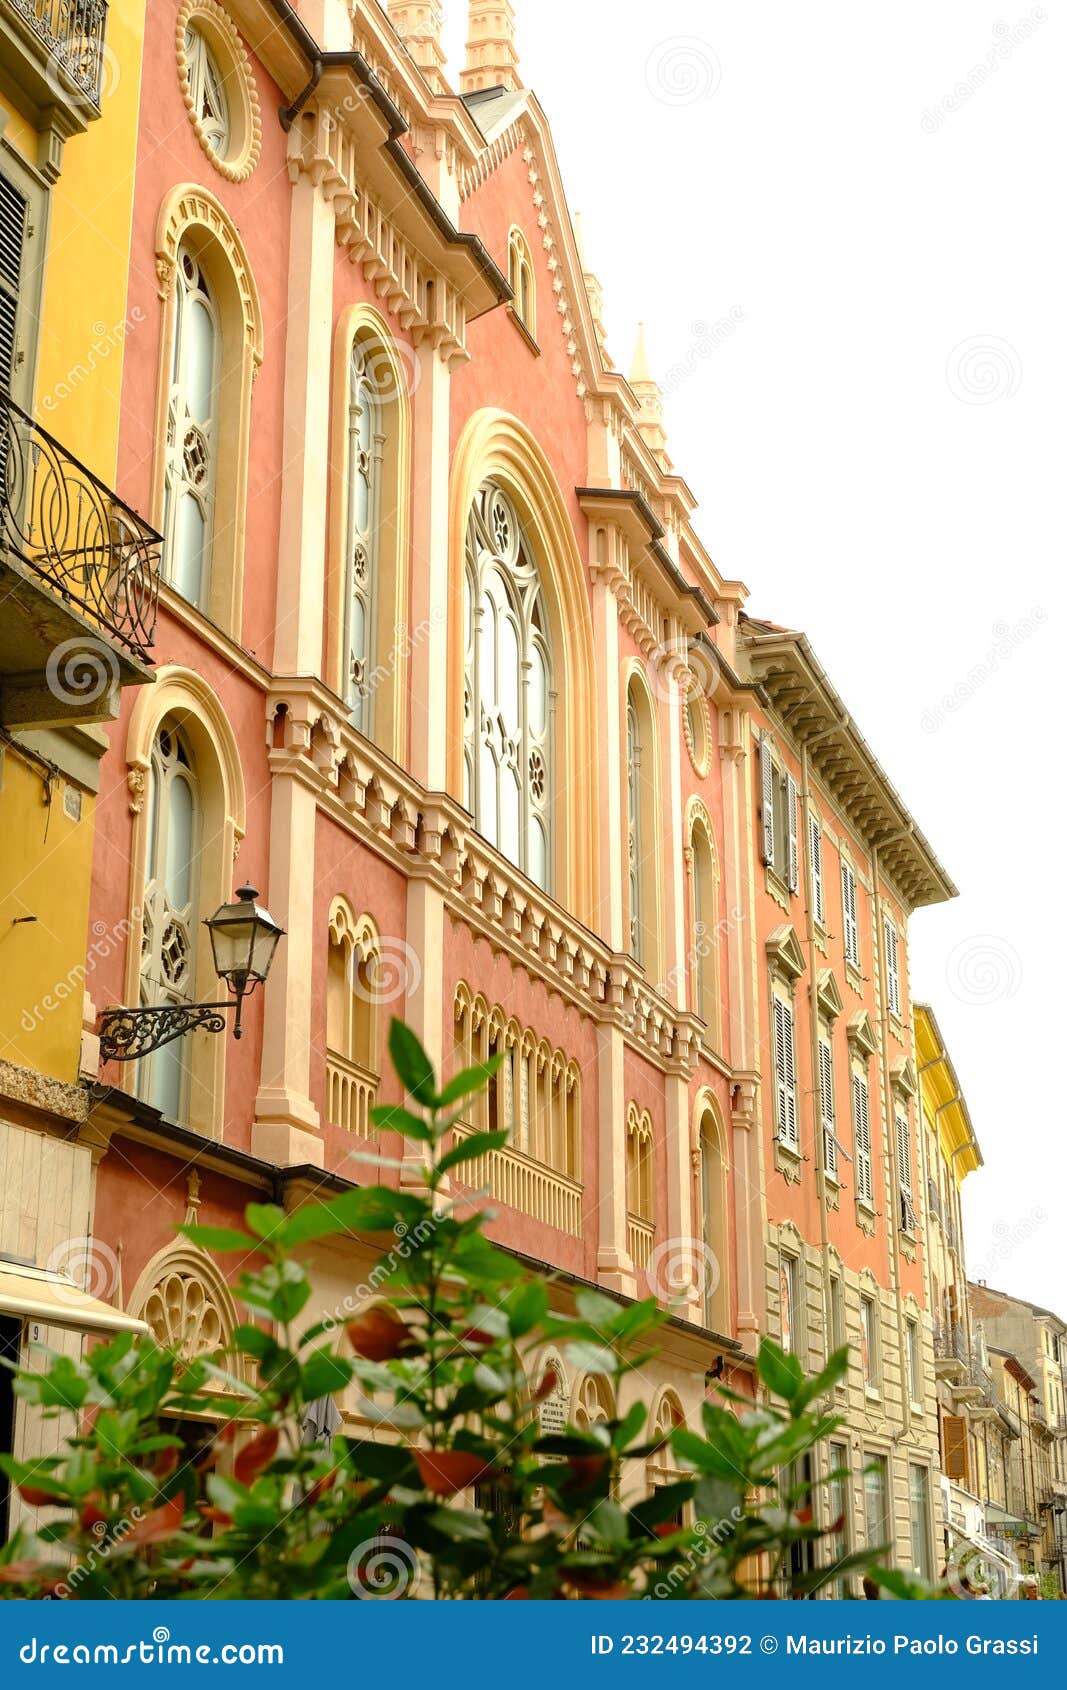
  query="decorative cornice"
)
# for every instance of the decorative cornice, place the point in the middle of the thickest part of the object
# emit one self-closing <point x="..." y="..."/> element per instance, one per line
<point x="861" y="1039"/>
<point x="784" y="951"/>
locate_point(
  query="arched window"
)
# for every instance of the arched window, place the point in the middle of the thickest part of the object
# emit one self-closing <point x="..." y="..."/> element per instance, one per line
<point x="192" y="432"/>
<point x="642" y="826"/>
<point x="639" y="1184"/>
<point x="521" y="277"/>
<point x="713" y="1224"/>
<point x="365" y="455"/>
<point x="508" y="689"/>
<point x="352" y="1058"/>
<point x="210" y="108"/>
<point x="170" y="911"/>
<point x="705" y="968"/>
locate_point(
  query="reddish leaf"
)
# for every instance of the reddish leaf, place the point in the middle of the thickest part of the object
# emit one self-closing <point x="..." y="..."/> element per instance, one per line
<point x="804" y="1516"/>
<point x="549" y="1383"/>
<point x="595" y="1589"/>
<point x="378" y="1334"/>
<point x="166" y="1463"/>
<point x="256" y="1455"/>
<point x="475" y="1335"/>
<point x="446" y="1471"/>
<point x="160" y="1524"/>
<point x="91" y="1515"/>
<point x="216" y="1515"/>
<point x="38" y="1498"/>
<point x="519" y="1594"/>
<point x="587" y="1470"/>
<point x="22" y="1572"/>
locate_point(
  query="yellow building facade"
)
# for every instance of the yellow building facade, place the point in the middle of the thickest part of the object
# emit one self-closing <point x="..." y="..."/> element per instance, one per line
<point x="77" y="573"/>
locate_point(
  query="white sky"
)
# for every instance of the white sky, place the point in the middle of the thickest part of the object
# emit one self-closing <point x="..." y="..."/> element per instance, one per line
<point x="871" y="483"/>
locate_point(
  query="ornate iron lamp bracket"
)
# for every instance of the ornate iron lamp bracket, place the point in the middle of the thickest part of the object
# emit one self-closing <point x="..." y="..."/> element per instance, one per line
<point x="126" y="1034"/>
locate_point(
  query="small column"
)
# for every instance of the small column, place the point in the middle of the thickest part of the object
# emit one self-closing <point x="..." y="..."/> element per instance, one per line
<point x="285" y="1129"/>
<point x="492" y="57"/>
<point x="298" y="638"/>
<point x="419" y="27"/>
<point x="429" y="603"/>
<point x="615" y="1269"/>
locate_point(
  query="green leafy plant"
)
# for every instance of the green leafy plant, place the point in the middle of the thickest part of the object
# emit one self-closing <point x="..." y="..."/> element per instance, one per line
<point x="458" y="1491"/>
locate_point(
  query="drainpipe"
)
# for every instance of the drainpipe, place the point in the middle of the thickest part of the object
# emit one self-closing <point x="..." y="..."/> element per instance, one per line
<point x="889" y="1124"/>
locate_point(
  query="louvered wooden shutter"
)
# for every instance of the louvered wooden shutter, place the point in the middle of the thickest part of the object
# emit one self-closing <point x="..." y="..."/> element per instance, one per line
<point x="13" y="208"/>
<point x="766" y="768"/>
<point x="954" y="1448"/>
<point x="904" y="1154"/>
<point x="826" y="1097"/>
<point x="792" y="847"/>
<point x="862" y="1129"/>
<point x="785" y="1074"/>
<point x="818" y="900"/>
<point x="848" y="905"/>
<point x="892" y="967"/>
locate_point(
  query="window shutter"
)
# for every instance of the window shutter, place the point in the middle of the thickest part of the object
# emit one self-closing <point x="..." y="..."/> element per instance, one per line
<point x="904" y="1154"/>
<point x="826" y="1097"/>
<point x="848" y="905"/>
<point x="785" y="1074"/>
<point x="954" y="1448"/>
<point x="766" y="768"/>
<point x="816" y="873"/>
<point x="793" y="865"/>
<point x="862" y="1130"/>
<point x="13" y="207"/>
<point x="892" y="967"/>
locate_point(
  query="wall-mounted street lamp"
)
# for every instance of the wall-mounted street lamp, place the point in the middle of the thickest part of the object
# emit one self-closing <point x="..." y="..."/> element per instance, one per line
<point x="244" y="938"/>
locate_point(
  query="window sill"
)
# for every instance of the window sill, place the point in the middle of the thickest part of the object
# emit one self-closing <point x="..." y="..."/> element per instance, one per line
<point x="777" y="887"/>
<point x="866" y="1218"/>
<point x="524" y="332"/>
<point x="788" y="1161"/>
<point x="853" y="976"/>
<point x="872" y="1393"/>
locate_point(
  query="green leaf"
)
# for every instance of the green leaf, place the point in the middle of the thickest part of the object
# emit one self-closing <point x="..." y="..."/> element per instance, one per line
<point x="629" y="1425"/>
<point x="592" y="1358"/>
<point x="609" y="1522"/>
<point x="219" y="1238"/>
<point x="469" y="1080"/>
<point x="412" y="1064"/>
<point x="266" y="1220"/>
<point x="469" y="1149"/>
<point x="323" y="1373"/>
<point x="393" y="1118"/>
<point x="597" y="1309"/>
<point x="780" y="1371"/>
<point x="665" y="1503"/>
<point x="525" y="1306"/>
<point x="459" y="1524"/>
<point x="835" y="1369"/>
<point x="253" y="1341"/>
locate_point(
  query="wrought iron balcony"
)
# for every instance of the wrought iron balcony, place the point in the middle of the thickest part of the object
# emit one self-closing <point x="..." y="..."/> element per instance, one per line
<point x="72" y="33"/>
<point x="71" y="531"/>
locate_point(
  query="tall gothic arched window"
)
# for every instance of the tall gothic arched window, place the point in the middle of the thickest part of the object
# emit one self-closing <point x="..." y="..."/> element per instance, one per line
<point x="634" y="843"/>
<point x="508" y="698"/>
<point x="366" y="442"/>
<point x="171" y="909"/>
<point x="705" y="929"/>
<point x="192" y="432"/>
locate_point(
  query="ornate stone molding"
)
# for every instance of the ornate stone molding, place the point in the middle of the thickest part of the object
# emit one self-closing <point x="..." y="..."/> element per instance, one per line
<point x="219" y="31"/>
<point x="321" y="149"/>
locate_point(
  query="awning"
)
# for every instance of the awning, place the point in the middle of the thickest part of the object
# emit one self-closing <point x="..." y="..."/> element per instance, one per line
<point x="33" y="1293"/>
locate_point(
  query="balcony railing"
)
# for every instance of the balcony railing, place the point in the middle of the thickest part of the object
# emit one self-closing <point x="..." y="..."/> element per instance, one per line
<point x="351" y="1093"/>
<point x="73" y="532"/>
<point x="72" y="31"/>
<point x="640" y="1236"/>
<point x="528" y="1186"/>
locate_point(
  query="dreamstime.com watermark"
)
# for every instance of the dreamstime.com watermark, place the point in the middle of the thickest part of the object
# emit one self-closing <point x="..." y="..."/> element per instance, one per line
<point x="1007" y="639"/>
<point x="105" y="341"/>
<point x="156" y="1651"/>
<point x="1006" y="38"/>
<point x="409" y="1239"/>
<point x="73" y="982"/>
<point x="1009" y="1236"/>
<point x="707" y="338"/>
<point x="709" y="1538"/>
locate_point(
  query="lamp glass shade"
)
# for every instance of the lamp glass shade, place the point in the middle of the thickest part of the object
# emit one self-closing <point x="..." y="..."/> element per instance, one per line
<point x="244" y="937"/>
